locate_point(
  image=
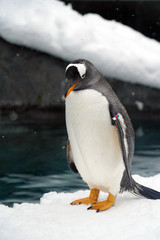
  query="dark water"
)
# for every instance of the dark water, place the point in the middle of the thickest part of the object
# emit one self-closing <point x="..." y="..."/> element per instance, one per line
<point x="32" y="159"/>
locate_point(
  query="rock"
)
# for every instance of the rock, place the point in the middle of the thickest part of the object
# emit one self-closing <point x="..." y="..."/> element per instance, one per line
<point x="32" y="85"/>
<point x="140" y="101"/>
<point x="29" y="78"/>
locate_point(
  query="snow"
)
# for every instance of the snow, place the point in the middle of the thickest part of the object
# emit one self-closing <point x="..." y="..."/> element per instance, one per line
<point x="55" y="28"/>
<point x="131" y="218"/>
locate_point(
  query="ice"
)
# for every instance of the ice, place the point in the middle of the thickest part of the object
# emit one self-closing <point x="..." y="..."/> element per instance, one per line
<point x="132" y="218"/>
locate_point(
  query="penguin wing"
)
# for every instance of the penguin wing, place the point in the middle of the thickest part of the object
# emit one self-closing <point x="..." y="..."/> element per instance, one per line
<point x="120" y="125"/>
<point x="70" y="159"/>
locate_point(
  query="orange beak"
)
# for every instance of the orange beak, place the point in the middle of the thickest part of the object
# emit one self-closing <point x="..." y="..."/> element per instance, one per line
<point x="71" y="89"/>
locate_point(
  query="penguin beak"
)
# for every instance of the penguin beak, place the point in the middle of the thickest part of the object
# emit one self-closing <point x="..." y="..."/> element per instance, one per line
<point x="71" y="89"/>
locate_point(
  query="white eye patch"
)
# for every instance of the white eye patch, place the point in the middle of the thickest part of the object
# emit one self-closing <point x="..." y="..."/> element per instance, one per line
<point x="80" y="67"/>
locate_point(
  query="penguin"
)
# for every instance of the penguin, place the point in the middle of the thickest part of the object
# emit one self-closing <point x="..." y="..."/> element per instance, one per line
<point x="100" y="144"/>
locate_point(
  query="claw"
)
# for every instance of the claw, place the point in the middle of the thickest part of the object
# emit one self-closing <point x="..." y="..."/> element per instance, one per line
<point x="89" y="208"/>
<point x="73" y="203"/>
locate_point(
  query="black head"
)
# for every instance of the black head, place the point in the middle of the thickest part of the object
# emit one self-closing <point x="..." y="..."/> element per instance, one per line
<point x="82" y="72"/>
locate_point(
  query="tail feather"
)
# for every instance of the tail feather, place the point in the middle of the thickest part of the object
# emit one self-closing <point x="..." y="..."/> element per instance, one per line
<point x="146" y="192"/>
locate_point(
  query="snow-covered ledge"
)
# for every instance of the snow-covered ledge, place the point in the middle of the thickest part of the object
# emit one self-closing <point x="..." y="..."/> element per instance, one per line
<point x="54" y="218"/>
<point x="52" y="27"/>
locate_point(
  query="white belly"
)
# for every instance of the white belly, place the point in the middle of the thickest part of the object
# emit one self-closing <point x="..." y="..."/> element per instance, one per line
<point x="94" y="141"/>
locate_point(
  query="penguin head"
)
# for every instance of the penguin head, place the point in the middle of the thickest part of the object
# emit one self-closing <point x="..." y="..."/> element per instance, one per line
<point x="81" y="72"/>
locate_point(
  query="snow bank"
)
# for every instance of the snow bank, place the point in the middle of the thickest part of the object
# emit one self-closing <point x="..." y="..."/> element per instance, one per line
<point x="52" y="27"/>
<point x="131" y="218"/>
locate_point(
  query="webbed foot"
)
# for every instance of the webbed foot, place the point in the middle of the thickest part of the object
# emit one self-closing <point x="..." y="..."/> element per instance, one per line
<point x="89" y="200"/>
<point x="104" y="205"/>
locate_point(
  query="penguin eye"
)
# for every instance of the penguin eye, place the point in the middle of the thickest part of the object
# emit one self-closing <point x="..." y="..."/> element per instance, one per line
<point x="83" y="75"/>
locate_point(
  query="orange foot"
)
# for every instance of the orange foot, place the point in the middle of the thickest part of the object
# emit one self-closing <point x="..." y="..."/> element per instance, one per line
<point x="89" y="200"/>
<point x="101" y="206"/>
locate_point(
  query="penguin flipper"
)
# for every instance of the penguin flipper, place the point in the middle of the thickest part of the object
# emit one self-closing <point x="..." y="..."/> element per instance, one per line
<point x="69" y="157"/>
<point x="128" y="183"/>
<point x="123" y="148"/>
<point x="121" y="133"/>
